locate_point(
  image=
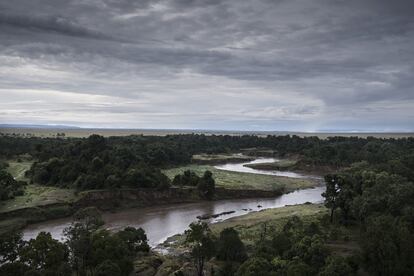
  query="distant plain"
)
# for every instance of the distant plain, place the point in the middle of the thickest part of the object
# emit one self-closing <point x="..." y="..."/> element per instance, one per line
<point x="106" y="132"/>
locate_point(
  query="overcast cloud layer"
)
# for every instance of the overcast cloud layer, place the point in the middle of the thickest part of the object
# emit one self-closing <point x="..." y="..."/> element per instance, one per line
<point x="248" y="65"/>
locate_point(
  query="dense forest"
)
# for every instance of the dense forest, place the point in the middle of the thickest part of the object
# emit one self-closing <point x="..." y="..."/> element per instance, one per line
<point x="135" y="161"/>
<point x="372" y="190"/>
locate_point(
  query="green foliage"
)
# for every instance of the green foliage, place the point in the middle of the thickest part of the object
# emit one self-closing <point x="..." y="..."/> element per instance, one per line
<point x="95" y="163"/>
<point x="188" y="178"/>
<point x="381" y="202"/>
<point x="136" y="239"/>
<point x="255" y="267"/>
<point x="206" y="186"/>
<point x="9" y="187"/>
<point x="44" y="253"/>
<point x="106" y="246"/>
<point x="296" y="267"/>
<point x="230" y="247"/>
<point x="88" y="250"/>
<point x="108" y="268"/>
<point x="388" y="246"/>
<point x="10" y="246"/>
<point x="201" y="242"/>
<point x="337" y="266"/>
<point x="14" y="269"/>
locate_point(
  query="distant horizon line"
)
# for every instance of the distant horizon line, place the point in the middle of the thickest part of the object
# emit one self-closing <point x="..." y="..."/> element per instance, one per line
<point x="63" y="127"/>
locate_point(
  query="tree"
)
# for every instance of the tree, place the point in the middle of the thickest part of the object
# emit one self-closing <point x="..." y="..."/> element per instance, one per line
<point x="206" y="186"/>
<point x="14" y="269"/>
<point x="333" y="183"/>
<point x="311" y="250"/>
<point x="298" y="268"/>
<point x="90" y="218"/>
<point x="79" y="238"/>
<point x="188" y="178"/>
<point x="136" y="239"/>
<point x="108" y="268"/>
<point x="10" y="245"/>
<point x="388" y="246"/>
<point x="230" y="247"/>
<point x="255" y="266"/>
<point x="281" y="243"/>
<point x="199" y="238"/>
<point x="44" y="252"/>
<point x="107" y="246"/>
<point x="337" y="266"/>
<point x="9" y="187"/>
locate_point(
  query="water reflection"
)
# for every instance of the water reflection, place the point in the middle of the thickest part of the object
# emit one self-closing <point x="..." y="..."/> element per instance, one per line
<point x="240" y="167"/>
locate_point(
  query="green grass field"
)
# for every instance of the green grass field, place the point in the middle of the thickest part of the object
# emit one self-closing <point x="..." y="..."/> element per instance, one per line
<point x="18" y="169"/>
<point x="221" y="157"/>
<point x="36" y="195"/>
<point x="250" y="225"/>
<point x="246" y="181"/>
<point x="278" y="165"/>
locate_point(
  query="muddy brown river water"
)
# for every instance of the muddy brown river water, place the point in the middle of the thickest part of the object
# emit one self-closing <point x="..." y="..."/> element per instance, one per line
<point x="161" y="222"/>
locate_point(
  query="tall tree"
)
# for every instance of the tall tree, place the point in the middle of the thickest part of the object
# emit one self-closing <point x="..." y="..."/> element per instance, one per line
<point x="199" y="238"/>
<point x="332" y="182"/>
<point x="230" y="247"/>
<point x="207" y="186"/>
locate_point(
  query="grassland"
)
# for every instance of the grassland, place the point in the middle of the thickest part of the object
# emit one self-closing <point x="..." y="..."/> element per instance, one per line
<point x="245" y="181"/>
<point x="342" y="240"/>
<point x="220" y="157"/>
<point x="278" y="165"/>
<point x="34" y="195"/>
<point x="251" y="224"/>
<point x="18" y="169"/>
<point x="214" y="159"/>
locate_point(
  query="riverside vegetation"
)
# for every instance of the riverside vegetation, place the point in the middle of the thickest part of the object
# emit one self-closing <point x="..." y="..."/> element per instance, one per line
<point x="365" y="227"/>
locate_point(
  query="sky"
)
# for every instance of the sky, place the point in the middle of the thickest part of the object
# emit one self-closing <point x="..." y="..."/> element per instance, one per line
<point x="287" y="65"/>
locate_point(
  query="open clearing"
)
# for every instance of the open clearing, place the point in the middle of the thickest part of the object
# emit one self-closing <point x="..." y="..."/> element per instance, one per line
<point x="36" y="195"/>
<point x="278" y="165"/>
<point x="246" y="181"/>
<point x="220" y="158"/>
<point x="18" y="169"/>
<point x="251" y="224"/>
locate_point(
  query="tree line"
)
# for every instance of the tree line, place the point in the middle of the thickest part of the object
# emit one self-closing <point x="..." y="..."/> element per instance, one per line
<point x="88" y="249"/>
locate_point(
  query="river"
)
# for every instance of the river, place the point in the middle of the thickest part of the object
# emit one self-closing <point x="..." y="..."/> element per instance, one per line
<point x="161" y="222"/>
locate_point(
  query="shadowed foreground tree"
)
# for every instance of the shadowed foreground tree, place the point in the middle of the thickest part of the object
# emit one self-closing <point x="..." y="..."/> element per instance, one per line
<point x="79" y="238"/>
<point x="230" y="247"/>
<point x="44" y="253"/>
<point x="200" y="240"/>
<point x="136" y="239"/>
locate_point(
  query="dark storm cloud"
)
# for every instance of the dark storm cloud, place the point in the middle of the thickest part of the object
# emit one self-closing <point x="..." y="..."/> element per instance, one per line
<point x="306" y="61"/>
<point x="55" y="24"/>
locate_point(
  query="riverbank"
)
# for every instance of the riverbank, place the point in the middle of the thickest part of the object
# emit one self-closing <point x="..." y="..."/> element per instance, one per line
<point x="297" y="166"/>
<point x="214" y="159"/>
<point x="249" y="227"/>
<point x="228" y="179"/>
<point x="115" y="200"/>
<point x="42" y="203"/>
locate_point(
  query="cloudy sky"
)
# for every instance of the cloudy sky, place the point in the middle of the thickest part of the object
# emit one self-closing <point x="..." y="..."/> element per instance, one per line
<point x="299" y="65"/>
